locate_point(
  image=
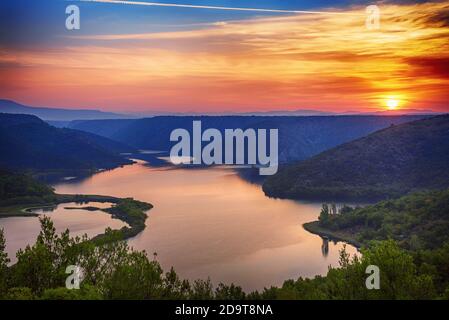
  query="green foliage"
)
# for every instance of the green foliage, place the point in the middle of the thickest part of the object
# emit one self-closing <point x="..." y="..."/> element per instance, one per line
<point x="43" y="265"/>
<point x="174" y="287"/>
<point x="4" y="260"/>
<point x="324" y="215"/>
<point x="17" y="192"/>
<point x="436" y="264"/>
<point x="201" y="290"/>
<point x="28" y="143"/>
<point x="416" y="221"/>
<point x="134" y="277"/>
<point x="399" y="278"/>
<point x="113" y="270"/>
<point x="383" y="165"/>
<point x="21" y="293"/>
<point x="13" y="186"/>
<point x="86" y="292"/>
<point x="231" y="292"/>
<point x="132" y="212"/>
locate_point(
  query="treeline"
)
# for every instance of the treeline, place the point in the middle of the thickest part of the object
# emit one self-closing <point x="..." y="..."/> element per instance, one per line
<point x="18" y="192"/>
<point x="13" y="186"/>
<point x="416" y="221"/>
<point x="112" y="270"/>
<point x="386" y="164"/>
<point x="299" y="137"/>
<point x="130" y="211"/>
<point x="29" y="144"/>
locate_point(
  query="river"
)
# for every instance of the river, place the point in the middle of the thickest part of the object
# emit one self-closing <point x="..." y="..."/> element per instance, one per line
<point x="212" y="223"/>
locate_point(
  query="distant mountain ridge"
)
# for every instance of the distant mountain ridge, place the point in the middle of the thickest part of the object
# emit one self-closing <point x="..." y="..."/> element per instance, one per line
<point x="299" y="137"/>
<point x="27" y="143"/>
<point x="398" y="112"/>
<point x="60" y="117"/>
<point x="57" y="114"/>
<point x="388" y="163"/>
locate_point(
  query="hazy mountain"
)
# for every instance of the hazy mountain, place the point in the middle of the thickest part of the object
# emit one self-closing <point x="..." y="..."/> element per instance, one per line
<point x="299" y="137"/>
<point x="387" y="163"/>
<point x="399" y="112"/>
<point x="299" y="112"/>
<point x="28" y="143"/>
<point x="105" y="128"/>
<point x="8" y="106"/>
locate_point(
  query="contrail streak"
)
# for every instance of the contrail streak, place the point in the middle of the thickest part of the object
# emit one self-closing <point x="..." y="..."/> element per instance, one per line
<point x="160" y="4"/>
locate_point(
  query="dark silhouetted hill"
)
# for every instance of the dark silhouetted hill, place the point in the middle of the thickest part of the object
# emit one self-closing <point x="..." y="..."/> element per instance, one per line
<point x="388" y="163"/>
<point x="56" y="114"/>
<point x="28" y="143"/>
<point x="299" y="137"/>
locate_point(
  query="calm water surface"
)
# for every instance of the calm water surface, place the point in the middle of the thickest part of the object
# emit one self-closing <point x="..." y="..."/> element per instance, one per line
<point x="21" y="231"/>
<point x="211" y="223"/>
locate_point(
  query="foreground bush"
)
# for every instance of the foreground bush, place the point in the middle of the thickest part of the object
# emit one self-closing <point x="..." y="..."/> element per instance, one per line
<point x="112" y="270"/>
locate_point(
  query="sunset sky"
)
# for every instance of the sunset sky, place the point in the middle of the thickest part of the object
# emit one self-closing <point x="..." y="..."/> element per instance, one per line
<point x="135" y="58"/>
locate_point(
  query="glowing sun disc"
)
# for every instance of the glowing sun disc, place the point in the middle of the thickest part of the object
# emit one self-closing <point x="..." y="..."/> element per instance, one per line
<point x="392" y="104"/>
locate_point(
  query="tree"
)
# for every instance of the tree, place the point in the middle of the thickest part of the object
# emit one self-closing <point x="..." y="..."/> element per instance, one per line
<point x="42" y="266"/>
<point x="3" y="264"/>
<point x="201" y="290"/>
<point x="86" y="292"/>
<point x="229" y="292"/>
<point x="134" y="278"/>
<point x="324" y="214"/>
<point x="112" y="270"/>
<point x="173" y="287"/>
<point x="399" y="278"/>
<point x="20" y="293"/>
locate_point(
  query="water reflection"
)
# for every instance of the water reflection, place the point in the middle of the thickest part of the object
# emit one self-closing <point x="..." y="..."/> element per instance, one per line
<point x="22" y="231"/>
<point x="42" y="210"/>
<point x="325" y="247"/>
<point x="212" y="223"/>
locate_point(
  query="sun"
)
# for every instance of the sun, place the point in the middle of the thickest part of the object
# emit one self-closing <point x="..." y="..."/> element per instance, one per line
<point x="392" y="104"/>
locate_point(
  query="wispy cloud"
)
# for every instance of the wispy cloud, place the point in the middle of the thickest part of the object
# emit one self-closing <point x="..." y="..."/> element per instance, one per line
<point x="191" y="6"/>
<point x="330" y="62"/>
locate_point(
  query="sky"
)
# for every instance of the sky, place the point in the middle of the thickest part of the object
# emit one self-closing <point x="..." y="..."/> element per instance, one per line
<point x="129" y="57"/>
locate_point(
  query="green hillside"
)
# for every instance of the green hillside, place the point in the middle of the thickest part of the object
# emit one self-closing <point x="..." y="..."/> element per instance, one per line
<point x="386" y="164"/>
<point x="28" y="143"/>
<point x="14" y="186"/>
<point x="416" y="221"/>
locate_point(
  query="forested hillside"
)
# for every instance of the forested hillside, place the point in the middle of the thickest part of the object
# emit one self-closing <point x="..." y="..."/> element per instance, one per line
<point x="416" y="221"/>
<point x="20" y="185"/>
<point x="386" y="164"/>
<point x="299" y="137"/>
<point x="28" y="143"/>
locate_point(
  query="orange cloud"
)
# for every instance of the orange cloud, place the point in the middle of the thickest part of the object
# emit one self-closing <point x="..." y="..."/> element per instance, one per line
<point x="328" y="62"/>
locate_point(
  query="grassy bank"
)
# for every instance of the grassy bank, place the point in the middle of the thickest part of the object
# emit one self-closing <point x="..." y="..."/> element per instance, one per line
<point x="315" y="228"/>
<point x="416" y="221"/>
<point x="19" y="206"/>
<point x="131" y="211"/>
